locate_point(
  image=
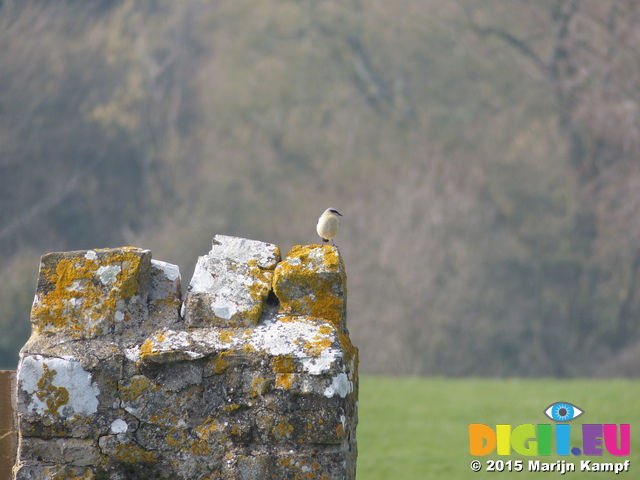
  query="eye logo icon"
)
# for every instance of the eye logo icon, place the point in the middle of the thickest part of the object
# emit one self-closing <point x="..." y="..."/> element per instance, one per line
<point x="563" y="412"/>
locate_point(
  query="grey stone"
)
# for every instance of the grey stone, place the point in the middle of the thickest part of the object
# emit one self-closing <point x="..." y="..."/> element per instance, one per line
<point x="74" y="451"/>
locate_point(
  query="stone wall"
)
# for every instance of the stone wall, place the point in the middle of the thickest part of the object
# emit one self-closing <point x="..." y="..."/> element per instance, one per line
<point x="253" y="376"/>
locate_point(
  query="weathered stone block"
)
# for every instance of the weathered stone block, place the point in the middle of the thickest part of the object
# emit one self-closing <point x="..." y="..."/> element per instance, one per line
<point x="74" y="451"/>
<point x="91" y="293"/>
<point x="165" y="295"/>
<point x="312" y="281"/>
<point x="231" y="283"/>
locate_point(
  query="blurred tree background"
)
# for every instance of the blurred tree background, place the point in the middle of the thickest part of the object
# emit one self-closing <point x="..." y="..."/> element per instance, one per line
<point x="485" y="156"/>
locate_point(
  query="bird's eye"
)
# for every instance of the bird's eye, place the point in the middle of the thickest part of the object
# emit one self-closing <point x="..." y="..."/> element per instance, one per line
<point x="563" y="412"/>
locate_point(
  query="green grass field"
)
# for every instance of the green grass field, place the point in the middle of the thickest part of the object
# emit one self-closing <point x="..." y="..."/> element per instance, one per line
<point x="417" y="428"/>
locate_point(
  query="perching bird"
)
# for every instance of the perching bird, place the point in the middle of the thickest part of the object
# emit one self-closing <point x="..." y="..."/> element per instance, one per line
<point x="328" y="225"/>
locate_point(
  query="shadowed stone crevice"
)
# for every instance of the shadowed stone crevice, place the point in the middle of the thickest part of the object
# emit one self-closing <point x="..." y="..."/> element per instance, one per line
<point x="252" y="376"/>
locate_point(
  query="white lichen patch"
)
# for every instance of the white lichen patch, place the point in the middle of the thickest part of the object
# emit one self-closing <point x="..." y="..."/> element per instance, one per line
<point x="109" y="273"/>
<point x="169" y="341"/>
<point x="319" y="365"/>
<point x="119" y="426"/>
<point x="171" y="271"/>
<point x="165" y="280"/>
<point x="224" y="308"/>
<point x="340" y="385"/>
<point x="243" y="250"/>
<point x="57" y="385"/>
<point x="296" y="338"/>
<point x="132" y="354"/>
<point x="169" y="344"/>
<point x="202" y="280"/>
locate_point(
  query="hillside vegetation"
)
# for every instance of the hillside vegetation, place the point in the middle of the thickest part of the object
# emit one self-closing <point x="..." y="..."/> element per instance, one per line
<point x="485" y="156"/>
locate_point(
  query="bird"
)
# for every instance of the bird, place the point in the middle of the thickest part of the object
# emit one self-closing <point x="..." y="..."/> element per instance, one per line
<point x="329" y="225"/>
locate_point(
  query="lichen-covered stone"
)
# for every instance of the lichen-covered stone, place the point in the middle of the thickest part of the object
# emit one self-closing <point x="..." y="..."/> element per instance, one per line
<point x="91" y="293"/>
<point x="207" y="397"/>
<point x="231" y="283"/>
<point x="312" y="281"/>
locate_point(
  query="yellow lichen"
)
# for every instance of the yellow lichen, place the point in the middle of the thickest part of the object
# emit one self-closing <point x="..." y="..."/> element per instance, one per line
<point x="147" y="348"/>
<point x="230" y="407"/>
<point x="226" y="336"/>
<point x="283" y="380"/>
<point x="220" y="363"/>
<point x="165" y="416"/>
<point x="260" y="386"/>
<point x="315" y="349"/>
<point x="205" y="430"/>
<point x="136" y="386"/>
<point x="258" y="289"/>
<point x="130" y="453"/>
<point x="284" y="364"/>
<point x="71" y="474"/>
<point x="349" y="351"/>
<point x="288" y="319"/>
<point x="326" y="329"/>
<point x="282" y="429"/>
<point x="199" y="448"/>
<point x="264" y="277"/>
<point x="254" y="313"/>
<point x="54" y="397"/>
<point x="326" y="305"/>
